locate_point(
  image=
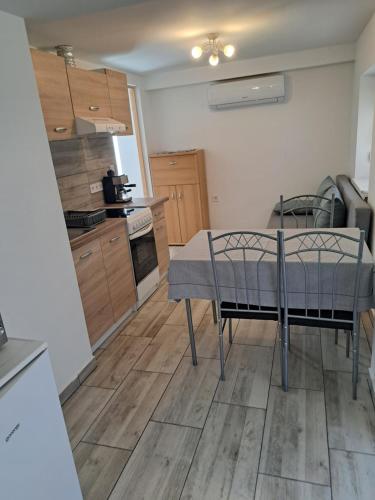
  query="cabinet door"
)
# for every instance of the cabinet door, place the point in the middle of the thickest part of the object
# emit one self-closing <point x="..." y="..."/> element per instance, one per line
<point x="189" y="210"/>
<point x="89" y="92"/>
<point x="171" y="213"/>
<point x="93" y="287"/>
<point x="161" y="241"/>
<point x="119" y="97"/>
<point x="52" y="81"/>
<point x="119" y="270"/>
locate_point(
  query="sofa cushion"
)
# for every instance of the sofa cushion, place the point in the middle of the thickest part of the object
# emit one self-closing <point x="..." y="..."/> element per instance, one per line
<point x="358" y="212"/>
<point x="290" y="222"/>
<point x="297" y="205"/>
<point x="322" y="219"/>
<point x="326" y="183"/>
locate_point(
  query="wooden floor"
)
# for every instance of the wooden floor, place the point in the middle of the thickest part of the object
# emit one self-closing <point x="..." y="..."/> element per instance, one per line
<point x="146" y="424"/>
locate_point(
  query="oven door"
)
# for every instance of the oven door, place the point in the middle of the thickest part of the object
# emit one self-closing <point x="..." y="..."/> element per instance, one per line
<point x="143" y="249"/>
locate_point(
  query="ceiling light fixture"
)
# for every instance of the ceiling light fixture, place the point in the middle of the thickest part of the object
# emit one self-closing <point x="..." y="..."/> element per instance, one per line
<point x="213" y="47"/>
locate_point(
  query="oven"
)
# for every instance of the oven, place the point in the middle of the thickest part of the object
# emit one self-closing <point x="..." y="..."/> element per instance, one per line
<point x="143" y="250"/>
<point x="142" y="247"/>
<point x="145" y="262"/>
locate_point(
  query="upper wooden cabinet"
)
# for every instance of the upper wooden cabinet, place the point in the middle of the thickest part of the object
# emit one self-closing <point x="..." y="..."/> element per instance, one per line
<point x="66" y="92"/>
<point x="119" y="98"/>
<point x="89" y="92"/>
<point x="54" y="94"/>
<point x="182" y="177"/>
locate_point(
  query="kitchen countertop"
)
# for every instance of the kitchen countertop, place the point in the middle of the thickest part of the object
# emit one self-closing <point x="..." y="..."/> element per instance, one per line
<point x="149" y="202"/>
<point x="78" y="238"/>
<point x="15" y="355"/>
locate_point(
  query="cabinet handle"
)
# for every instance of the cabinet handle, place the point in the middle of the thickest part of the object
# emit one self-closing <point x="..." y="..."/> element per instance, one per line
<point x="85" y="255"/>
<point x="173" y="196"/>
<point x="115" y="238"/>
<point x="172" y="163"/>
<point x="180" y="196"/>
<point x="94" y="108"/>
<point x="60" y="130"/>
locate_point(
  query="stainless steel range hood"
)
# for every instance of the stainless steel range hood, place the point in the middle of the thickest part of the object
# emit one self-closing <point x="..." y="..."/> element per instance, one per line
<point x="86" y="125"/>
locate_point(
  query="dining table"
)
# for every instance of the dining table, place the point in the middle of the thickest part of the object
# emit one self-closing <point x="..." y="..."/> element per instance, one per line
<point x="190" y="276"/>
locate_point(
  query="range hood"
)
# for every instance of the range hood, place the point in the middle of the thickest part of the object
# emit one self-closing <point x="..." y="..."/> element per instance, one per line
<point x="89" y="125"/>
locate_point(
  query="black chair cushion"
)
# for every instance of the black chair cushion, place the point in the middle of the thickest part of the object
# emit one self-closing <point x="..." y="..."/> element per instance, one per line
<point x="244" y="311"/>
<point x="341" y="319"/>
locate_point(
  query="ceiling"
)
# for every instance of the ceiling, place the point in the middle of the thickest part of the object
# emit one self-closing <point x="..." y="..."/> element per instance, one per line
<point x="149" y="35"/>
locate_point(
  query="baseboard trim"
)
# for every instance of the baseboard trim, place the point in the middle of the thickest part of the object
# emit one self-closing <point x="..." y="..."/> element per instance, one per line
<point x="81" y="377"/>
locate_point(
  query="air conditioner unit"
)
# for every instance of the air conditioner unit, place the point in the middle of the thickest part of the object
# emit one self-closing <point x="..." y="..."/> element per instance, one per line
<point x="247" y="91"/>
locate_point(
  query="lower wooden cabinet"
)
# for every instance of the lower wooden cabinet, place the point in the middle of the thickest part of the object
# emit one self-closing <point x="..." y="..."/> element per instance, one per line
<point x="93" y="286"/>
<point x="105" y="279"/>
<point x="118" y="267"/>
<point x="183" y="212"/>
<point x="161" y="238"/>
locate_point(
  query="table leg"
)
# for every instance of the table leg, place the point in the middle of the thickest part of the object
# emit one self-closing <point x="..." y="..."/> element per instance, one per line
<point x="214" y="312"/>
<point x="191" y="331"/>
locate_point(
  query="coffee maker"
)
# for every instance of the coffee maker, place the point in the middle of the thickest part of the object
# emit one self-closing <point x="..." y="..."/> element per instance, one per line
<point x="116" y="188"/>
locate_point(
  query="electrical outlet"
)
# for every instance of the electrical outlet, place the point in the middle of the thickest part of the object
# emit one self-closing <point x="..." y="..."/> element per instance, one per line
<point x="96" y="187"/>
<point x="215" y="198"/>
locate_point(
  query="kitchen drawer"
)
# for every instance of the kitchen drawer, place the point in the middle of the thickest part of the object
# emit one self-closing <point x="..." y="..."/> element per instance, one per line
<point x="161" y="241"/>
<point x="158" y="213"/>
<point x="171" y="170"/>
<point x="93" y="287"/>
<point x="119" y="270"/>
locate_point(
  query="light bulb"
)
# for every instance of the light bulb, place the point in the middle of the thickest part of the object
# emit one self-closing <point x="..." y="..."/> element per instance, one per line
<point x="196" y="52"/>
<point x="214" y="59"/>
<point x="229" y="50"/>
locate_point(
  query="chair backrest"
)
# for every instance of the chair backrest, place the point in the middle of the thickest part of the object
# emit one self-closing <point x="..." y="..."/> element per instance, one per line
<point x="306" y="211"/>
<point x="237" y="261"/>
<point x="313" y="265"/>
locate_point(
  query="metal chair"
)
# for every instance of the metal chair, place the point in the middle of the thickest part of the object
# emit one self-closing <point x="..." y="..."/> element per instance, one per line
<point x="306" y="210"/>
<point x="311" y="264"/>
<point x="237" y="295"/>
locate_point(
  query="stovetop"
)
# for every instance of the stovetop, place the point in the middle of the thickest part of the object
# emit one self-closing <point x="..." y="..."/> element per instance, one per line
<point x="122" y="212"/>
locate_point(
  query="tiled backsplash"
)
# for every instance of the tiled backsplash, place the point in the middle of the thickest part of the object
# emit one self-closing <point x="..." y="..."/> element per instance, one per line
<point x="78" y="163"/>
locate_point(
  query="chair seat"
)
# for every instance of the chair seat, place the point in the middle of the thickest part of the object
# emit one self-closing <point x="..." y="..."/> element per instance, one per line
<point x="245" y="311"/>
<point x="341" y="319"/>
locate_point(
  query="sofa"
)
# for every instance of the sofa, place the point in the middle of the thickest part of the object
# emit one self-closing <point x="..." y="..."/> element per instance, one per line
<point x="358" y="213"/>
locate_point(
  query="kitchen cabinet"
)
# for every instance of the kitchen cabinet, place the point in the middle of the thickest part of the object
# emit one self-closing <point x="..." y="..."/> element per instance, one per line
<point x="89" y="93"/>
<point x="171" y="213"/>
<point x="181" y="176"/>
<point x="119" y="98"/>
<point x="53" y="86"/>
<point x="105" y="277"/>
<point x="189" y="210"/>
<point x="66" y="93"/>
<point x="93" y="286"/>
<point x="119" y="270"/>
<point x="161" y="238"/>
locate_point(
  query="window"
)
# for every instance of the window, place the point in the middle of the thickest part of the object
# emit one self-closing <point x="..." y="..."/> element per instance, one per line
<point x="129" y="152"/>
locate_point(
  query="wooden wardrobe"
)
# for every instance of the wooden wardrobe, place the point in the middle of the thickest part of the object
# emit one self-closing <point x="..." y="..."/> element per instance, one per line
<point x="181" y="176"/>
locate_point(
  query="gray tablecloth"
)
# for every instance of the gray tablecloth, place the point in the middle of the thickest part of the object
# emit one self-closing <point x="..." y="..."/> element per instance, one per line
<point x="190" y="276"/>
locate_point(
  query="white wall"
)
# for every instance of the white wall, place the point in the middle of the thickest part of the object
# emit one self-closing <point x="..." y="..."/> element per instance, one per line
<point x="39" y="296"/>
<point x="254" y="154"/>
<point x="366" y="105"/>
<point x="365" y="64"/>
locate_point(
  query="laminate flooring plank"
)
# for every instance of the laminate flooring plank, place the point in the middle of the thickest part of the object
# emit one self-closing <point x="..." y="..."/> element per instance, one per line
<point x="159" y="464"/>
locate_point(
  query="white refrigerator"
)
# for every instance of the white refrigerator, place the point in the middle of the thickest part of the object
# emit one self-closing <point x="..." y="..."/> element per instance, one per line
<point x="36" y="461"/>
